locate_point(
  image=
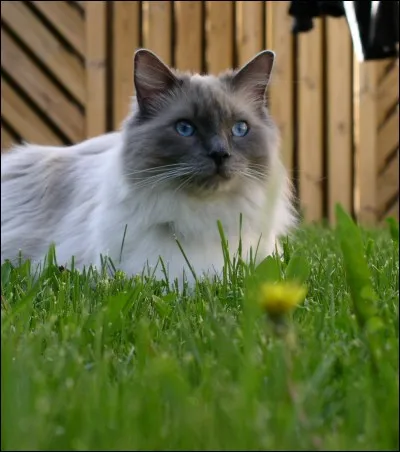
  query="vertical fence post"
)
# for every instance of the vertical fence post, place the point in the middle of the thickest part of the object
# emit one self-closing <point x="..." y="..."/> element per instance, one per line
<point x="365" y="81"/>
<point x="126" y="39"/>
<point x="310" y="119"/>
<point x="249" y="29"/>
<point x="189" y="36"/>
<point x="157" y="32"/>
<point x="339" y="116"/>
<point x="96" y="70"/>
<point x="280" y="91"/>
<point x="219" y="36"/>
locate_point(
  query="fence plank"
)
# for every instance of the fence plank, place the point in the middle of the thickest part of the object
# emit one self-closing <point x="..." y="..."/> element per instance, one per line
<point x="388" y="94"/>
<point x="6" y="140"/>
<point x="388" y="139"/>
<point x="249" y="29"/>
<point x="41" y="89"/>
<point x="67" y="21"/>
<point x="392" y="212"/>
<point x="65" y="66"/>
<point x="157" y="33"/>
<point x="189" y="36"/>
<point x="126" y="40"/>
<point x="23" y="120"/>
<point x="310" y="122"/>
<point x="280" y="91"/>
<point x="366" y="142"/>
<point x="95" y="68"/>
<point x="382" y="67"/>
<point x="81" y="4"/>
<point x="339" y="116"/>
<point x="388" y="184"/>
<point x="219" y="36"/>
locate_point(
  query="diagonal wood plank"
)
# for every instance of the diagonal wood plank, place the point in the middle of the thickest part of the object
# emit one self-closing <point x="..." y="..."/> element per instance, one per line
<point x="65" y="66"/>
<point x="383" y="67"/>
<point x="388" y="93"/>
<point x="388" y="140"/>
<point x="66" y="115"/>
<point x="81" y="4"/>
<point x="66" y="20"/>
<point x="392" y="212"/>
<point x="388" y="184"/>
<point x="6" y="140"/>
<point x="25" y="122"/>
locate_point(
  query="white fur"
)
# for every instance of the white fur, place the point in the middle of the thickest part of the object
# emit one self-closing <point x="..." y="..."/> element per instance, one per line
<point x="104" y="204"/>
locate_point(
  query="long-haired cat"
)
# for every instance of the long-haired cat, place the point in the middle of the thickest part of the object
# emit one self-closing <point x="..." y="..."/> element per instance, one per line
<point x="195" y="149"/>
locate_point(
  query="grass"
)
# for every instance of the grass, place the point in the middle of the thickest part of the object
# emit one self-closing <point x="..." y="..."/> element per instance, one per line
<point x="91" y="362"/>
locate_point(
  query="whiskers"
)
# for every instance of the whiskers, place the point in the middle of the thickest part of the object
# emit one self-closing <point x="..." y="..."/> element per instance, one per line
<point x="254" y="172"/>
<point x="179" y="176"/>
<point x="185" y="182"/>
<point x="155" y="177"/>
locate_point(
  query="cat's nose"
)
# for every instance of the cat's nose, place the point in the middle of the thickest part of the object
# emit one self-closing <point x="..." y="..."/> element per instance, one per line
<point x="218" y="150"/>
<point x="219" y="155"/>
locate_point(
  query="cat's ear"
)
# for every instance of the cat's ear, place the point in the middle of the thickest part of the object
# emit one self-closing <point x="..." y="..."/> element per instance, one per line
<point x="152" y="78"/>
<point x="255" y="75"/>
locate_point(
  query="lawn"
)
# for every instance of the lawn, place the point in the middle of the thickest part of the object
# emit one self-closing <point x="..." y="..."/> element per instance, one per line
<point x="91" y="362"/>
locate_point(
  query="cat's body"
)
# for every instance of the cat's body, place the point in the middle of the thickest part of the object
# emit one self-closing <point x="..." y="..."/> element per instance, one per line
<point x="161" y="177"/>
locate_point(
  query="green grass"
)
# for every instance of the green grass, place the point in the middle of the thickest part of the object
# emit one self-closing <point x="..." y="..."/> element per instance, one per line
<point x="90" y="362"/>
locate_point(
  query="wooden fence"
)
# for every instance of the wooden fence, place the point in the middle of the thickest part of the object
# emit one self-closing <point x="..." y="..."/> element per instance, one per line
<point x="66" y="74"/>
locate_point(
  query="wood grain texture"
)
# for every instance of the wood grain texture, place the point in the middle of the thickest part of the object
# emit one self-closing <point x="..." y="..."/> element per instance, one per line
<point x="280" y="91"/>
<point x="310" y="105"/>
<point x="388" y="184"/>
<point x="219" y="36"/>
<point x="24" y="120"/>
<point x="388" y="94"/>
<point x="81" y="4"/>
<point x="6" y="140"/>
<point x="95" y="68"/>
<point x="65" y="66"/>
<point x="393" y="211"/>
<point x="188" y="36"/>
<point x="388" y="140"/>
<point x="249" y="29"/>
<point x="126" y="41"/>
<point x="66" y="19"/>
<point x="46" y="95"/>
<point x="366" y="143"/>
<point x="157" y="31"/>
<point x="382" y="67"/>
<point x="339" y="116"/>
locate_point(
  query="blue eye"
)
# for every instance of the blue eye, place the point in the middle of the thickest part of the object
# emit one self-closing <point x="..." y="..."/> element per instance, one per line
<point x="184" y="128"/>
<point x="240" y="129"/>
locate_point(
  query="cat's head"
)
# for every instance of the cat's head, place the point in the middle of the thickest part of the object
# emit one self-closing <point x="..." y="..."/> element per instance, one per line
<point x="199" y="134"/>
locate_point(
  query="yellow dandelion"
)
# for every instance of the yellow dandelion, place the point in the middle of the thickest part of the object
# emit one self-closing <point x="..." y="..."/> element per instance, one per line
<point x="281" y="298"/>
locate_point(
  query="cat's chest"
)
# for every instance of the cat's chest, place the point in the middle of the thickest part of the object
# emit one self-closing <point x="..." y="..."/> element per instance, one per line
<point x="177" y="232"/>
<point x="176" y="249"/>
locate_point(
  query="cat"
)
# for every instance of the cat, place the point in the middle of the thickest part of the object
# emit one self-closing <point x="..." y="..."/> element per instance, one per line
<point x="193" y="150"/>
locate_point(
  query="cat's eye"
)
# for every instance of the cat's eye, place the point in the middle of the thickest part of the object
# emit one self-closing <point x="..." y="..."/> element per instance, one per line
<point x="240" y="129"/>
<point x="184" y="128"/>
